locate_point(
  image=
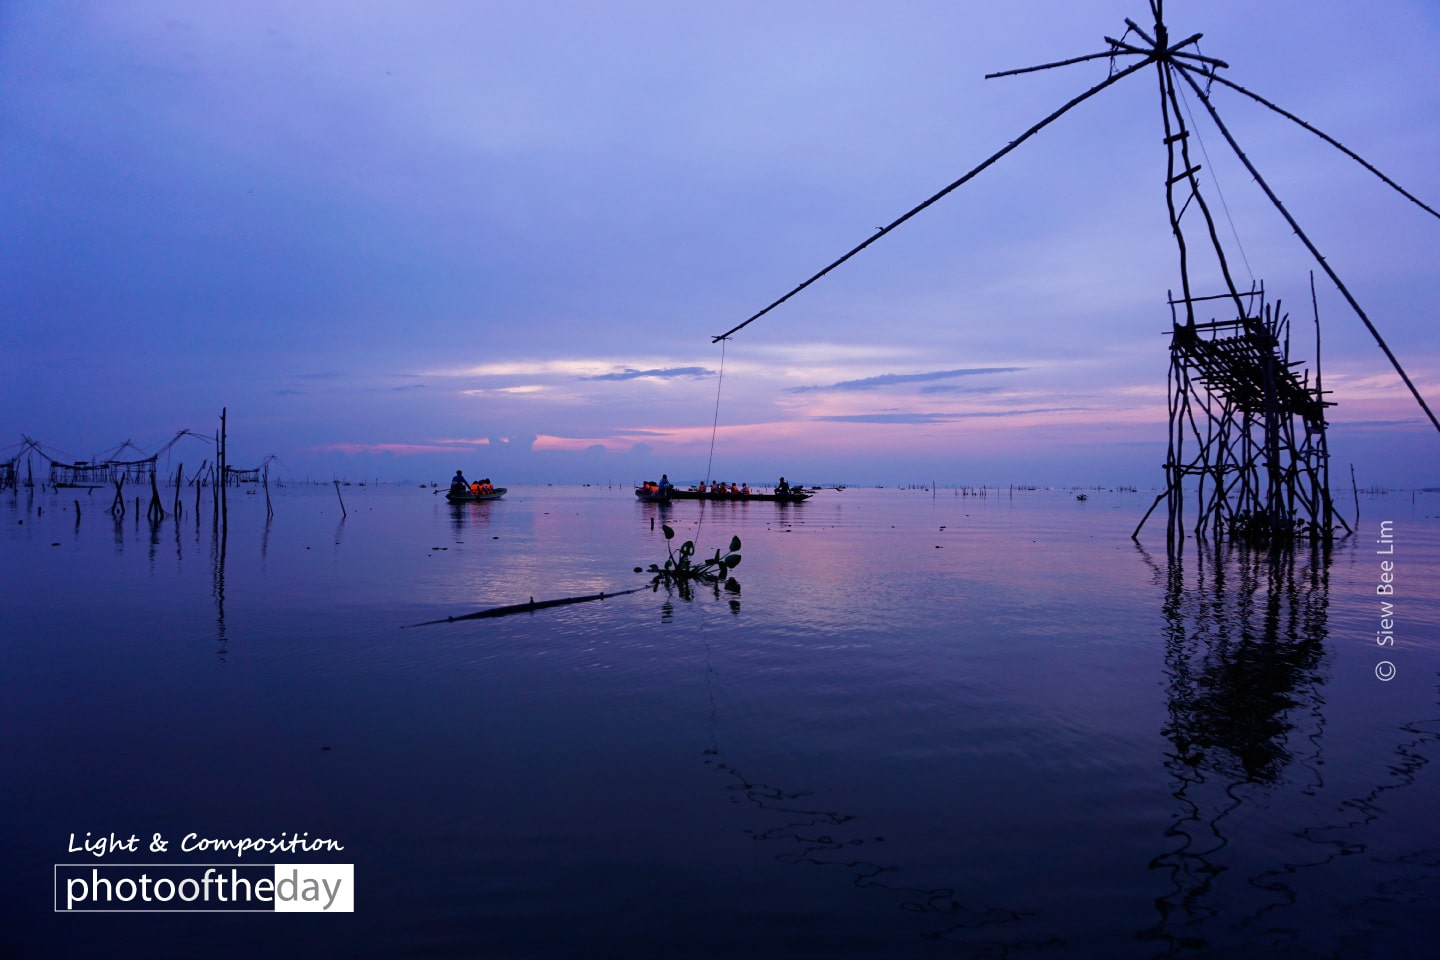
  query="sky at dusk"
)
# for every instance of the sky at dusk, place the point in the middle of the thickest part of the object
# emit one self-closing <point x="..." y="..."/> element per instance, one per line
<point x="394" y="239"/>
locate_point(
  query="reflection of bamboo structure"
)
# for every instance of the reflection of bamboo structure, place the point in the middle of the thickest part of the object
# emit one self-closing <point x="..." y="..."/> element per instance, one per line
<point x="1245" y="669"/>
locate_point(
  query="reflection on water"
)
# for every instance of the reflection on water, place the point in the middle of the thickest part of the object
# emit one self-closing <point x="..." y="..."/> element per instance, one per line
<point x="1244" y="652"/>
<point x="219" y="544"/>
<point x="1246" y="666"/>
<point x="934" y="727"/>
<point x="463" y="515"/>
<point x="1244" y="645"/>
<point x="807" y="833"/>
<point x="810" y="835"/>
<point x="1400" y="898"/>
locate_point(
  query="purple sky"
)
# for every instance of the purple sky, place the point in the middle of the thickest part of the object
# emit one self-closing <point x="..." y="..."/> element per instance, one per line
<point x="396" y="239"/>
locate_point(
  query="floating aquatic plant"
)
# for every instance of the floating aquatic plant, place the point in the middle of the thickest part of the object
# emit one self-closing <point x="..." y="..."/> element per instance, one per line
<point x="681" y="569"/>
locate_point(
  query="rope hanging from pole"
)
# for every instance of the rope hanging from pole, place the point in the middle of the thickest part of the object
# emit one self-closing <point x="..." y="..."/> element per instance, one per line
<point x="714" y="429"/>
<point x="715" y="422"/>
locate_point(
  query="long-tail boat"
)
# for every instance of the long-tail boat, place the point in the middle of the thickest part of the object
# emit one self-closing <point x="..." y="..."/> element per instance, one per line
<point x="653" y="494"/>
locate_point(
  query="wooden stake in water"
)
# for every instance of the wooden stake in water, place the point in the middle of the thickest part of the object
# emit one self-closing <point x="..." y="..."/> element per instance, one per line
<point x="224" y="465"/>
<point x="156" y="512"/>
<point x="343" y="514"/>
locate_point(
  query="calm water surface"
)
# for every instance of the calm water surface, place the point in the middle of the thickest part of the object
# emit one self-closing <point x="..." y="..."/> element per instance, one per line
<point x="927" y="726"/>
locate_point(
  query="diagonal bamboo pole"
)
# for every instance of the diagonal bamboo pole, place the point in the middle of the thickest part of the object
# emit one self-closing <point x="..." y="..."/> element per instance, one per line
<point x="1209" y="75"/>
<point x="987" y="162"/>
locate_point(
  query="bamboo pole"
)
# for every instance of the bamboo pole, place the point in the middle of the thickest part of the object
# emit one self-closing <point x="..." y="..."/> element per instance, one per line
<point x="526" y="607"/>
<point x="1356" y="491"/>
<point x="989" y="161"/>
<point x="224" y="465"/>
<point x="156" y="512"/>
<point x="1217" y="78"/>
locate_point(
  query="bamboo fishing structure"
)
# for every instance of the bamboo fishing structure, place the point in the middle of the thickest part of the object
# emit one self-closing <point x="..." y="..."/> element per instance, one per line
<point x="1247" y="434"/>
<point x="1247" y="430"/>
<point x="109" y="470"/>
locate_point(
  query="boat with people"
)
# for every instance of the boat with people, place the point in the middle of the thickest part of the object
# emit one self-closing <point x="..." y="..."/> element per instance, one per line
<point x="649" y="492"/>
<point x="455" y="496"/>
<point x="793" y="495"/>
<point x="664" y="492"/>
<point x="463" y="491"/>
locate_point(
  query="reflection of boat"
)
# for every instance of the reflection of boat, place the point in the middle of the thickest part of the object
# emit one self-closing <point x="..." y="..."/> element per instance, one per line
<point x="456" y="496"/>
<point x="794" y="495"/>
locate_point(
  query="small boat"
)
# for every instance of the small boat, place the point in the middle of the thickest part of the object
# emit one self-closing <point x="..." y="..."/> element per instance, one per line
<point x="458" y="496"/>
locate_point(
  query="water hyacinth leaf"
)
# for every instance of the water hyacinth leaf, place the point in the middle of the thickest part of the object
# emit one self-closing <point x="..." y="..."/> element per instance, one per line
<point x="734" y="544"/>
<point x="669" y="533"/>
<point x="732" y="561"/>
